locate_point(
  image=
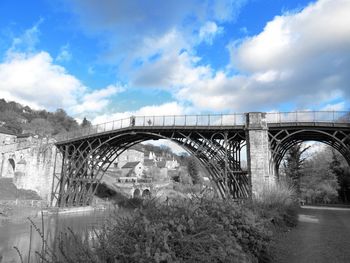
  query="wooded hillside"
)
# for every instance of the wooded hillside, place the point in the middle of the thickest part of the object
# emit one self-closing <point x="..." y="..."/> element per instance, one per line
<point x="19" y="119"/>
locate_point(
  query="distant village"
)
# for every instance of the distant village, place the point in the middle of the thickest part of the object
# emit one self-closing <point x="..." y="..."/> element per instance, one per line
<point x="140" y="164"/>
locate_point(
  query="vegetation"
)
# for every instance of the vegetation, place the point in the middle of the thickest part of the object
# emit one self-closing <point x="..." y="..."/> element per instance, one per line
<point x="323" y="178"/>
<point x="293" y="164"/>
<point x="197" y="229"/>
<point x="22" y="119"/>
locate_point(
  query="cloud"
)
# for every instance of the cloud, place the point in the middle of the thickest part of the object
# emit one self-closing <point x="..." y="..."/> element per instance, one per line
<point x="170" y="108"/>
<point x="34" y="80"/>
<point x="301" y="58"/>
<point x="27" y="41"/>
<point x="123" y="26"/>
<point x="65" y="55"/>
<point x="96" y="100"/>
<point x="208" y="32"/>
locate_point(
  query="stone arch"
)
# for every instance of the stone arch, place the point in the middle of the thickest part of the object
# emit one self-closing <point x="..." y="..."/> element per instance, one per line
<point x="11" y="167"/>
<point x="12" y="164"/>
<point x="146" y="193"/>
<point x="137" y="193"/>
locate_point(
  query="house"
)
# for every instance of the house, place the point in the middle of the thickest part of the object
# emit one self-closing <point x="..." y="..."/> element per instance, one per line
<point x="171" y="164"/>
<point x="130" y="155"/>
<point x="132" y="169"/>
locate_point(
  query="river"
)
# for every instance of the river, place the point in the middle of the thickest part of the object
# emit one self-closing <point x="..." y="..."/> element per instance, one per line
<point x="19" y="234"/>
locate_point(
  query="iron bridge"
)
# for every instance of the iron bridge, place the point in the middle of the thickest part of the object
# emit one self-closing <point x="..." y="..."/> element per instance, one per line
<point x="216" y="141"/>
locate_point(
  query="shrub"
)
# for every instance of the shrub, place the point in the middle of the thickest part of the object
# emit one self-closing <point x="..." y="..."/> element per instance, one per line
<point x="278" y="203"/>
<point x="189" y="230"/>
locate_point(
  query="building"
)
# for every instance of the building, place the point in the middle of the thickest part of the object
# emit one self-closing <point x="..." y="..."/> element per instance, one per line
<point x="132" y="169"/>
<point x="130" y="155"/>
<point x="171" y="164"/>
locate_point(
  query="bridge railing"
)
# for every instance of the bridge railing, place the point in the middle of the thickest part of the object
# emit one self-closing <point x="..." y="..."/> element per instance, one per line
<point x="207" y="120"/>
<point x="158" y="121"/>
<point x="308" y="116"/>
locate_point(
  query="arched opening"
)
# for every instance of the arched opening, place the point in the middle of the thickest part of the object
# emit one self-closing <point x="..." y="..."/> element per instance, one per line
<point x="218" y="153"/>
<point x="146" y="193"/>
<point x="11" y="168"/>
<point x="317" y="164"/>
<point x="137" y="193"/>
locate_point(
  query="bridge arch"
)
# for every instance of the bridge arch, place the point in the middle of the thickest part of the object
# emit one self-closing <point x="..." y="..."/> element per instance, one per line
<point x="284" y="139"/>
<point x="218" y="153"/>
<point x="137" y="193"/>
<point x="12" y="164"/>
<point x="146" y="193"/>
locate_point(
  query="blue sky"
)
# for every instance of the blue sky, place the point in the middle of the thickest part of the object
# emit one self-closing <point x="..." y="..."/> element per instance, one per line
<point x="107" y="59"/>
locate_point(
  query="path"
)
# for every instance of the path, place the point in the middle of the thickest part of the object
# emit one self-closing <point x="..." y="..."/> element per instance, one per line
<point x="322" y="236"/>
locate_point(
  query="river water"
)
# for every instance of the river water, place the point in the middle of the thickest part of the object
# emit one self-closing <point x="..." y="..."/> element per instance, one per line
<point x="19" y="234"/>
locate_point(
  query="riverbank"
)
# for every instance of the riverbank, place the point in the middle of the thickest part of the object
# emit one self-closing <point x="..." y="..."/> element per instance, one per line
<point x="18" y="212"/>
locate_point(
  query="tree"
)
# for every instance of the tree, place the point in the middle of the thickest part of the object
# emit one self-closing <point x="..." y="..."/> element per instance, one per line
<point x="85" y="123"/>
<point x="40" y="127"/>
<point x="318" y="183"/>
<point x="343" y="177"/>
<point x="193" y="171"/>
<point x="293" y="164"/>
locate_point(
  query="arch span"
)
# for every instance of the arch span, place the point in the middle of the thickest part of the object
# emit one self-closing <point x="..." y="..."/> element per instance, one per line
<point x="282" y="140"/>
<point x="86" y="161"/>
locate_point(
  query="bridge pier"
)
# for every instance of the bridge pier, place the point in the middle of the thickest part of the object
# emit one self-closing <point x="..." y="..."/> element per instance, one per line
<point x="261" y="168"/>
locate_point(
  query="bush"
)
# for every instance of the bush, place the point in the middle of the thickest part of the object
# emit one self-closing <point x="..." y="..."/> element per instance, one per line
<point x="278" y="203"/>
<point x="197" y="229"/>
<point x="191" y="230"/>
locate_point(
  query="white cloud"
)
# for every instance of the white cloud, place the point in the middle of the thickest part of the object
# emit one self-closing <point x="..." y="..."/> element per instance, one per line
<point x="25" y="42"/>
<point x="340" y="106"/>
<point x="301" y="58"/>
<point x="123" y="26"/>
<point x="208" y="32"/>
<point x="170" y="108"/>
<point x="65" y="55"/>
<point x="96" y="100"/>
<point x="34" y="80"/>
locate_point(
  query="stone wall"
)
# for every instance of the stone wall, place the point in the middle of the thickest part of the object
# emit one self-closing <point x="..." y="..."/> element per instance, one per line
<point x="31" y="168"/>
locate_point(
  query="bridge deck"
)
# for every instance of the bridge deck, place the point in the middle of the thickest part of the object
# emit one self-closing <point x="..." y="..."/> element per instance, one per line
<point x="207" y="122"/>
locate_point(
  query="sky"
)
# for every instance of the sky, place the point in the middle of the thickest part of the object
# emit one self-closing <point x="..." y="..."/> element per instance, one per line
<point x="105" y="59"/>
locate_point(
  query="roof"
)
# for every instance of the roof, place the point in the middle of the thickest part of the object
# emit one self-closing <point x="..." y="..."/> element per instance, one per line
<point x="130" y="165"/>
<point x="6" y="131"/>
<point x="25" y="135"/>
<point x="161" y="164"/>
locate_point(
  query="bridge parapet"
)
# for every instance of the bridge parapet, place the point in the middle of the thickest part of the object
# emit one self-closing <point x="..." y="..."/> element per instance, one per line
<point x="308" y="116"/>
<point x="209" y="120"/>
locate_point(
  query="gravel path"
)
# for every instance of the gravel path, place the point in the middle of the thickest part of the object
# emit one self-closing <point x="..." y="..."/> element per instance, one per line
<point x="322" y="235"/>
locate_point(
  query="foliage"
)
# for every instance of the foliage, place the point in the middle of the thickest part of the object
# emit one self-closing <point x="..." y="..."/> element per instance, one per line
<point x="277" y="203"/>
<point x="192" y="168"/>
<point x="293" y="164"/>
<point x="20" y="119"/>
<point x="319" y="184"/>
<point x="85" y="123"/>
<point x="200" y="229"/>
<point x="342" y="172"/>
<point x="39" y="126"/>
